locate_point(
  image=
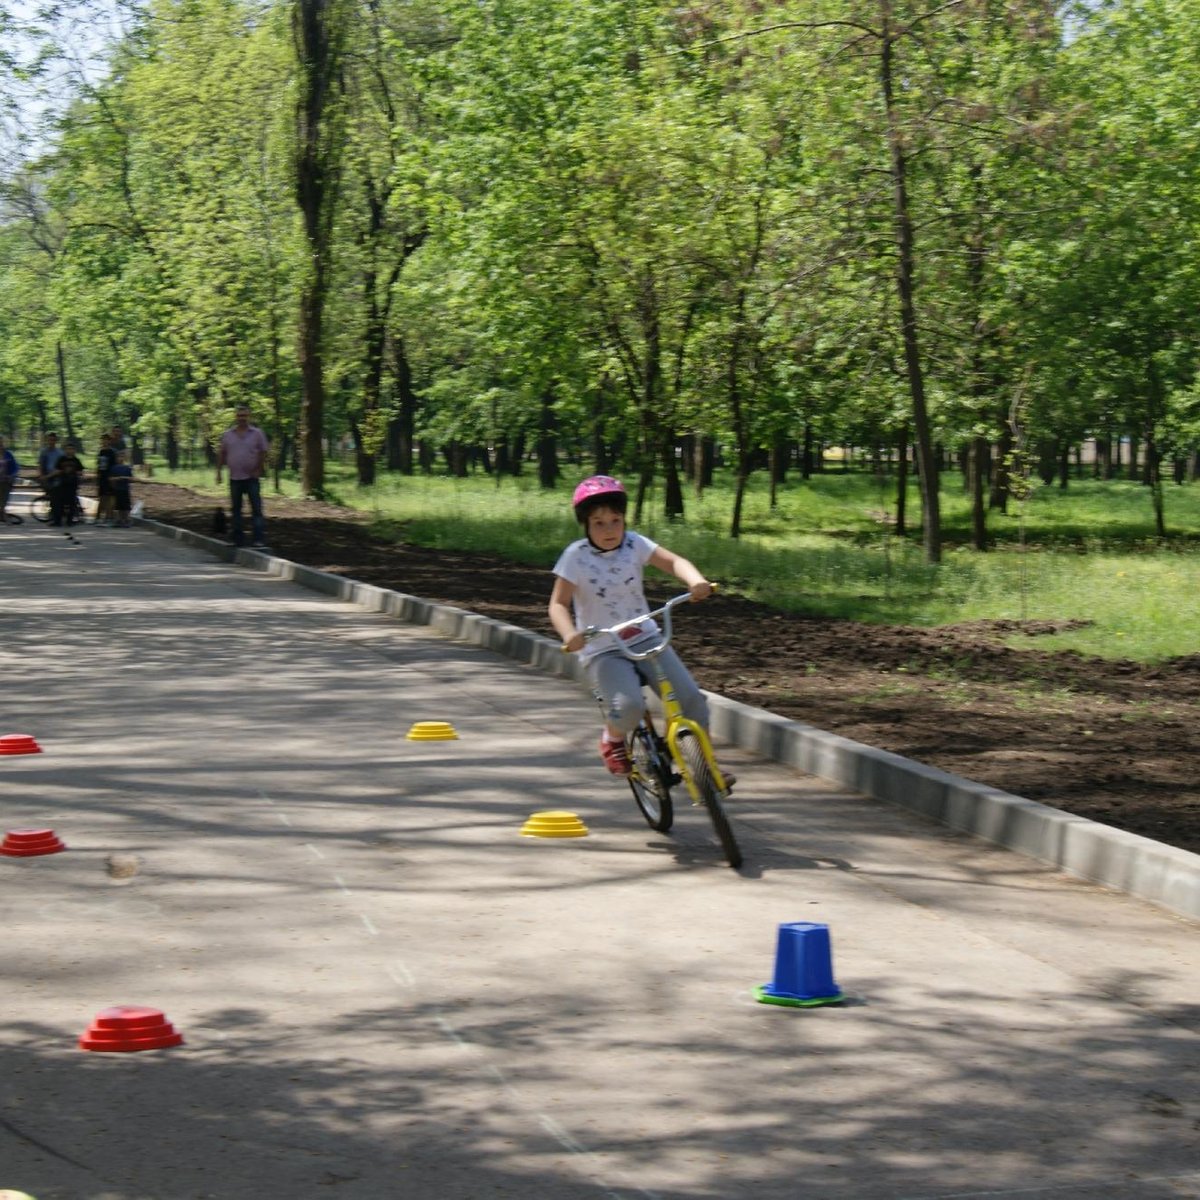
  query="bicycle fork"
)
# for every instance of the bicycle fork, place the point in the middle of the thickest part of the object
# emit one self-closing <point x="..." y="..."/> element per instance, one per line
<point x="676" y="724"/>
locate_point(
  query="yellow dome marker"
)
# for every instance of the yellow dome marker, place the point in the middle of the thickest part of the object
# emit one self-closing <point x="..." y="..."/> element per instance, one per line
<point x="554" y="825"/>
<point x="432" y="731"/>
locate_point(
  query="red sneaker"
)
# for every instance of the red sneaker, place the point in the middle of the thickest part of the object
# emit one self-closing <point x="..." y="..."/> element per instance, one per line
<point x="616" y="757"/>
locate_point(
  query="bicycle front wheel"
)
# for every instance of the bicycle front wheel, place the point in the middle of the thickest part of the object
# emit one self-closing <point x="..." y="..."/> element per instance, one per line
<point x="693" y="755"/>
<point x="39" y="508"/>
<point x="649" y="779"/>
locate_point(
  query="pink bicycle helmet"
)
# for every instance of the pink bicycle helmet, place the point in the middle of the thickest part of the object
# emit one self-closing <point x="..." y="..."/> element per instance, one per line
<point x="596" y="490"/>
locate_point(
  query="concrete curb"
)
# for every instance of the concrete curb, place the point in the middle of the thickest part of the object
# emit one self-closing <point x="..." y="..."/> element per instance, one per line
<point x="1138" y="866"/>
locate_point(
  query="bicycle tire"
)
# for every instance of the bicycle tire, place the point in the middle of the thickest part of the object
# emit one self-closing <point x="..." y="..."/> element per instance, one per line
<point x="693" y="754"/>
<point x="39" y="508"/>
<point x="649" y="779"/>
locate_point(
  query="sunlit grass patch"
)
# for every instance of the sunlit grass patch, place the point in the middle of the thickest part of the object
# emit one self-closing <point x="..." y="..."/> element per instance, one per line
<point x="826" y="549"/>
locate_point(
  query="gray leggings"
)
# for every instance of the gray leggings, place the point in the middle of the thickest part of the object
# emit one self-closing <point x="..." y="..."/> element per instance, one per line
<point x="619" y="685"/>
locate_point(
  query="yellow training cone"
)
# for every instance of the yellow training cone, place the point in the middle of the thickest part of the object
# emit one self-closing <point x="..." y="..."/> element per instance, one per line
<point x="432" y="731"/>
<point x="554" y="825"/>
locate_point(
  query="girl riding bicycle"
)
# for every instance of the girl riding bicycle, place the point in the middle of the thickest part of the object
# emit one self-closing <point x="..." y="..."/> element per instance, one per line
<point x="599" y="576"/>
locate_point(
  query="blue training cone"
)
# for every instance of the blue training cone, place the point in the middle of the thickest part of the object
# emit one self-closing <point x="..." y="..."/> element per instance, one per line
<point x="803" y="968"/>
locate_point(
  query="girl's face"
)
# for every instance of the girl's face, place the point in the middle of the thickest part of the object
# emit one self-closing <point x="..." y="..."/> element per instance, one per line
<point x="606" y="528"/>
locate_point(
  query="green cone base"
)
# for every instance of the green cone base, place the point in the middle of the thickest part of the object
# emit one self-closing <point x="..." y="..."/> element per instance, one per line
<point x="764" y="997"/>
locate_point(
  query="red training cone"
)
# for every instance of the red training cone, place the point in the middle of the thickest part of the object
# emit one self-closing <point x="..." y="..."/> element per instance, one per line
<point x="127" y="1028"/>
<point x="18" y="743"/>
<point x="26" y="843"/>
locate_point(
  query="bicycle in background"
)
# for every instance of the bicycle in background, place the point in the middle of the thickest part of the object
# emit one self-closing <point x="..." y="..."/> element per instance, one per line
<point x="20" y="489"/>
<point x="682" y="753"/>
<point x="39" y="509"/>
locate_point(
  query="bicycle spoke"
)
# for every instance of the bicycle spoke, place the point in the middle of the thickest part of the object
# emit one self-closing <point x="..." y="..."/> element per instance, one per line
<point x="648" y="782"/>
<point x="710" y="797"/>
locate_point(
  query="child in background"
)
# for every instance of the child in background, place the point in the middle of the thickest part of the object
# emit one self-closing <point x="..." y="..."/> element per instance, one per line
<point x="599" y="577"/>
<point x="71" y="470"/>
<point x="120" y="477"/>
<point x="106" y="458"/>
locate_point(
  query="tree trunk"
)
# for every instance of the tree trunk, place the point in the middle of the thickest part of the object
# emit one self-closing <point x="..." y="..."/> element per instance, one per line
<point x="1001" y="486"/>
<point x="62" y="392"/>
<point x="316" y="28"/>
<point x="367" y="437"/>
<point x="739" y="496"/>
<point x="978" y="465"/>
<point x="364" y="460"/>
<point x="1153" y="471"/>
<point x="657" y="442"/>
<point x="902" y="483"/>
<point x="740" y="434"/>
<point x="1154" y="481"/>
<point x="672" y="483"/>
<point x="777" y="464"/>
<point x="276" y="395"/>
<point x="401" y="427"/>
<point x="547" y="445"/>
<point x="1150" y="463"/>
<point x="705" y="451"/>
<point x="978" y="473"/>
<point x="905" y="287"/>
<point x="645" y="479"/>
<point x="456" y="459"/>
<point x="1047" y="460"/>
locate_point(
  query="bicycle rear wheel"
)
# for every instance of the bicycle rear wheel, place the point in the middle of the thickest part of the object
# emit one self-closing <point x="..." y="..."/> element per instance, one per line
<point x="650" y="780"/>
<point x="693" y="754"/>
<point x="39" y="508"/>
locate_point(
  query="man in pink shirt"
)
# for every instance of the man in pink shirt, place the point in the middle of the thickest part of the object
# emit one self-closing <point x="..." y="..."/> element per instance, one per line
<point x="243" y="449"/>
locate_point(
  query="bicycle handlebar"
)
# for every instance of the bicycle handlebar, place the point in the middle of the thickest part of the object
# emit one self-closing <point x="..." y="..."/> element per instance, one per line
<point x="638" y="656"/>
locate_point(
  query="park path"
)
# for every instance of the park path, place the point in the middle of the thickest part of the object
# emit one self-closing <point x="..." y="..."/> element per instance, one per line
<point x="385" y="991"/>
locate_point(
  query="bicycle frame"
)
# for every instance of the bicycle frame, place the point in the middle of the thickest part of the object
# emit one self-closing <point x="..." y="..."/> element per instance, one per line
<point x="676" y="722"/>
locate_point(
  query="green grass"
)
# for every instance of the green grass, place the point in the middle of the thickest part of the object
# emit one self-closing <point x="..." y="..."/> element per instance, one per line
<point x="1087" y="554"/>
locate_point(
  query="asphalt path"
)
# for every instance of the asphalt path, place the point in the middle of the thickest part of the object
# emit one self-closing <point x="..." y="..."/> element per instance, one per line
<point x="385" y="990"/>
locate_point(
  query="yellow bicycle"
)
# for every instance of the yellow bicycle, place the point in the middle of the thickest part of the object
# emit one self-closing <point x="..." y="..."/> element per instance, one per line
<point x="682" y="753"/>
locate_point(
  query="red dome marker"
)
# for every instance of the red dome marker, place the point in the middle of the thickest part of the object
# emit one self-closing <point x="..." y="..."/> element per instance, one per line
<point x="129" y="1027"/>
<point x="19" y="743"/>
<point x="26" y="843"/>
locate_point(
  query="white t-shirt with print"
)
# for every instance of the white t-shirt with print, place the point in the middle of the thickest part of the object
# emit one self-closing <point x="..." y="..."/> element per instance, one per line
<point x="608" y="585"/>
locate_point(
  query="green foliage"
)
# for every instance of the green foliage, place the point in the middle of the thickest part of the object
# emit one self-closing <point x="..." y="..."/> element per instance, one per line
<point x="1090" y="552"/>
<point x="604" y="228"/>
